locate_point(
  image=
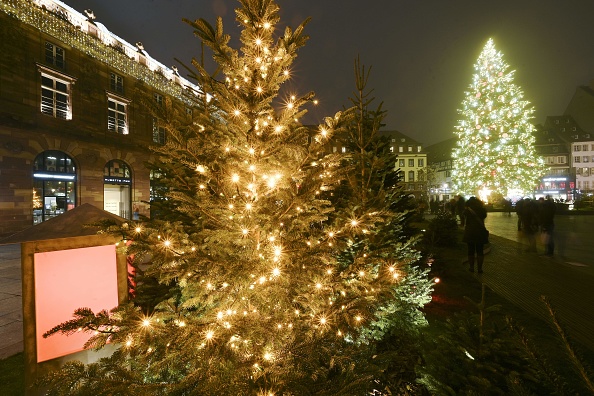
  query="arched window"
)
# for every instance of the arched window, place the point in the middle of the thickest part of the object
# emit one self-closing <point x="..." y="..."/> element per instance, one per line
<point x="117" y="192"/>
<point x="54" y="185"/>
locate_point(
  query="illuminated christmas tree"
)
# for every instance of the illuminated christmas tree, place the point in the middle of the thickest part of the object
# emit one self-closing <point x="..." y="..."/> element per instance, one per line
<point x="495" y="151"/>
<point x="257" y="284"/>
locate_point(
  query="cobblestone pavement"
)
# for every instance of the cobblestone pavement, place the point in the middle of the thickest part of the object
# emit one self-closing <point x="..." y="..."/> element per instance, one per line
<point x="567" y="279"/>
<point x="11" y="311"/>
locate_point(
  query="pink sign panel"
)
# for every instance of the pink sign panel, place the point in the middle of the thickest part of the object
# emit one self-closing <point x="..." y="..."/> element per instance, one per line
<point x="64" y="281"/>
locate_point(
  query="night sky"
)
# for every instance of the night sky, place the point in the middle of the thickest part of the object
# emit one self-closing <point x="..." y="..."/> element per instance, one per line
<point x="422" y="52"/>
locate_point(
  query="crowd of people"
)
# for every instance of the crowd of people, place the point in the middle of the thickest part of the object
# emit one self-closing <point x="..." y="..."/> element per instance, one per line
<point x="535" y="217"/>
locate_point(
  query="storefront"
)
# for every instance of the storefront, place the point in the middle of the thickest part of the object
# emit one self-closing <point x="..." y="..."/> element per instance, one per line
<point x="54" y="185"/>
<point x="559" y="188"/>
<point x="117" y="186"/>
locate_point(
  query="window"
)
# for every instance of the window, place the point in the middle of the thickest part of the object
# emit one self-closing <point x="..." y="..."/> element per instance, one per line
<point x="158" y="99"/>
<point x="585" y="147"/>
<point x="54" y="185"/>
<point x="561" y="160"/>
<point x="410" y="149"/>
<point x="448" y="173"/>
<point x="344" y="150"/>
<point x="421" y="162"/>
<point x="116" y="83"/>
<point x="577" y="159"/>
<point x="55" y="93"/>
<point x="334" y="149"/>
<point x="586" y="185"/>
<point x="158" y="132"/>
<point x="400" y="149"/>
<point x="418" y="149"/>
<point x="391" y="149"/>
<point x="401" y="163"/>
<point x="411" y="176"/>
<point x="117" y="120"/>
<point x="586" y="158"/>
<point x="411" y="163"/>
<point x="550" y="160"/>
<point x="54" y="55"/>
<point x="577" y="147"/>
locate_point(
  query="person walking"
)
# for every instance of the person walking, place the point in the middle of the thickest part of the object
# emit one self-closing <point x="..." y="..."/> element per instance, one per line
<point x="475" y="233"/>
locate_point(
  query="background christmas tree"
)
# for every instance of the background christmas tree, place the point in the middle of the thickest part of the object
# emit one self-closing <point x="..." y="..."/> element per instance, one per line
<point x="259" y="280"/>
<point x="495" y="150"/>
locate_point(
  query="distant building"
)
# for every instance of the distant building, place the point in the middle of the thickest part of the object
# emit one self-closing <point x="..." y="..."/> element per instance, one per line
<point x="411" y="161"/>
<point x="73" y="128"/>
<point x="439" y="171"/>
<point x="553" y="144"/>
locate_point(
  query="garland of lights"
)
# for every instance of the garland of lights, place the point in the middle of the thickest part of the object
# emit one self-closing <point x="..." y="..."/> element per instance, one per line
<point x="62" y="30"/>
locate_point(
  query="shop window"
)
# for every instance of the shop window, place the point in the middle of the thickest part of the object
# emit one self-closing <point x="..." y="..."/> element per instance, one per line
<point x="54" y="185"/>
<point x="117" y="182"/>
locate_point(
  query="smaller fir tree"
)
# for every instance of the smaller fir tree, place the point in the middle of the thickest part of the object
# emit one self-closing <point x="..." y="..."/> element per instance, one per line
<point x="261" y="283"/>
<point x="495" y="150"/>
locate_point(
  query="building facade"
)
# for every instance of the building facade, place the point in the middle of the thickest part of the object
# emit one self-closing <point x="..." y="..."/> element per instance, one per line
<point x="411" y="162"/>
<point x="439" y="173"/>
<point x="73" y="127"/>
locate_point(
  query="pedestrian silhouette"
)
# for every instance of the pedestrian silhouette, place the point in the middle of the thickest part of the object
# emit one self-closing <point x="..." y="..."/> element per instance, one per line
<point x="475" y="233"/>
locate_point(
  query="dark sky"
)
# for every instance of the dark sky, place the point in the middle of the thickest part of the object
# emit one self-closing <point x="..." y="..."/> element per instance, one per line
<point x="422" y="52"/>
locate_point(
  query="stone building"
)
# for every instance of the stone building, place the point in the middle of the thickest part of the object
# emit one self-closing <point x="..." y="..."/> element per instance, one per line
<point x="73" y="127"/>
<point x="411" y="161"/>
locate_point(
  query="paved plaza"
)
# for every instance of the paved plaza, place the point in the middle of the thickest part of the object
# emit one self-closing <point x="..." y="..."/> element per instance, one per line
<point x="521" y="277"/>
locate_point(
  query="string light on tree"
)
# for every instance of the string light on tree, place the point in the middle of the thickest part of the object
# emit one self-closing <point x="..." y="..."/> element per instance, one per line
<point x="259" y="268"/>
<point x="495" y="150"/>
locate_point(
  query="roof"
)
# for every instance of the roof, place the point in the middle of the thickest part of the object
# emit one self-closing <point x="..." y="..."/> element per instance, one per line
<point x="441" y="151"/>
<point x="73" y="223"/>
<point x="399" y="136"/>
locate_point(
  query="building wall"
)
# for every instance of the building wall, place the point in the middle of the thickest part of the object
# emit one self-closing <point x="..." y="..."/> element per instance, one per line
<point x="25" y="131"/>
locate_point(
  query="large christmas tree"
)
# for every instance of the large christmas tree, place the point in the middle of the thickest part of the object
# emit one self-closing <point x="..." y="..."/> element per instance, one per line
<point x="256" y="278"/>
<point x="495" y="151"/>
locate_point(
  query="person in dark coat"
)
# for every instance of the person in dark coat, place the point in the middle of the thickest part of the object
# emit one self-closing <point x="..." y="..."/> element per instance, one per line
<point x="475" y="233"/>
<point x="547" y="223"/>
<point x="530" y="223"/>
<point x="519" y="206"/>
